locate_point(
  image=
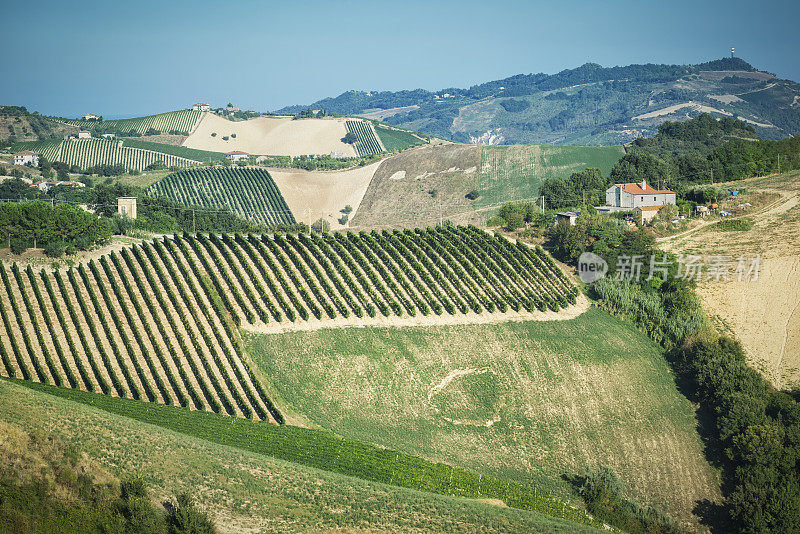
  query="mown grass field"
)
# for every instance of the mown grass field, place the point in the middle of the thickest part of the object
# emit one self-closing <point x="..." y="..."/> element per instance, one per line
<point x="246" y="491"/>
<point x="175" y="150"/>
<point x="531" y="401"/>
<point x="515" y="172"/>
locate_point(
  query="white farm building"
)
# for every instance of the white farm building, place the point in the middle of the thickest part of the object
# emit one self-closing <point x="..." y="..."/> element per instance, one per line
<point x="26" y="157"/>
<point x="636" y="195"/>
<point x="201" y="106"/>
<point x="237" y="155"/>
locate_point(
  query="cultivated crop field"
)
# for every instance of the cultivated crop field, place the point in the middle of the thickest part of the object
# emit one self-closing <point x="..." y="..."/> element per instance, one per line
<point x="530" y="401"/>
<point x="515" y="172"/>
<point x="249" y="193"/>
<point x="181" y="121"/>
<point x="175" y="150"/>
<point x="240" y="488"/>
<point x="87" y="153"/>
<point x="144" y="323"/>
<point x="287" y="281"/>
<point x="366" y="141"/>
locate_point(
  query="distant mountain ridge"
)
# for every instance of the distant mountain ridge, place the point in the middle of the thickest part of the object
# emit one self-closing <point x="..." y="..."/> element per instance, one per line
<point x="588" y="105"/>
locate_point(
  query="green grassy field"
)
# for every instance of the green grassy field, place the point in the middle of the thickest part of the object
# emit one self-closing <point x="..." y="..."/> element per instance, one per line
<point x="396" y="140"/>
<point x="515" y="172"/>
<point x="246" y="491"/>
<point x="530" y="401"/>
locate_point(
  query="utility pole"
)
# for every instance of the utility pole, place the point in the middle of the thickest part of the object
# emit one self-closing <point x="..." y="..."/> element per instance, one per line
<point x="542" y="204"/>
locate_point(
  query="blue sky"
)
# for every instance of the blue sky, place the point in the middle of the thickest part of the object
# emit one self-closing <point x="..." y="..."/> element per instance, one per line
<point x="130" y="58"/>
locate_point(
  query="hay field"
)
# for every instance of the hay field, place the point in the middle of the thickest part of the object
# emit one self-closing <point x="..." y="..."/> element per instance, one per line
<point x="530" y="401"/>
<point x="764" y="314"/>
<point x="420" y="185"/>
<point x="275" y="136"/>
<point x="248" y="492"/>
<point x="325" y="193"/>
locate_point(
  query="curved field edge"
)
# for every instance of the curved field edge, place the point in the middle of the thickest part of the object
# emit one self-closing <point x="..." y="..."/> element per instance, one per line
<point x="321" y="450"/>
<point x="526" y="401"/>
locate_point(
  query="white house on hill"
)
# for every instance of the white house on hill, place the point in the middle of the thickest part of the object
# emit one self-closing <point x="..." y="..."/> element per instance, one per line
<point x="90" y="117"/>
<point x="84" y="134"/>
<point x="201" y="106"/>
<point x="630" y="196"/>
<point x="237" y="155"/>
<point x="25" y="157"/>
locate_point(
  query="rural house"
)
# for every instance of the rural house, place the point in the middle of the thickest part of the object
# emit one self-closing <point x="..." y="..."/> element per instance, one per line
<point x="636" y="195"/>
<point x="201" y="106"/>
<point x="644" y="214"/>
<point x="84" y="134"/>
<point x="25" y="157"/>
<point x="126" y="207"/>
<point x="90" y="117"/>
<point x="236" y="155"/>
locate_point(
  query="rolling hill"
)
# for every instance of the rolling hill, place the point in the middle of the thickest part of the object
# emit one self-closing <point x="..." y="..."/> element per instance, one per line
<point x="588" y="105"/>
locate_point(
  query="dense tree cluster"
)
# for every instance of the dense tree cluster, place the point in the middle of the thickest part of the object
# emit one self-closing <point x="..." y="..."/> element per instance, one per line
<point x="39" y="222"/>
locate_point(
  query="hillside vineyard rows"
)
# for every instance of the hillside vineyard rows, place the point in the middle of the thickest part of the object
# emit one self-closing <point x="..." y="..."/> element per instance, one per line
<point x="87" y="153"/>
<point x="263" y="279"/>
<point x="142" y="323"/>
<point x="366" y="141"/>
<point x="181" y="121"/>
<point x="250" y="193"/>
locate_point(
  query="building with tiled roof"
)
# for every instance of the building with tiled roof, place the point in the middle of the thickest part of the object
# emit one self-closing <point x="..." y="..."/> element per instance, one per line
<point x="201" y="106"/>
<point x="636" y="195"/>
<point x="237" y="155"/>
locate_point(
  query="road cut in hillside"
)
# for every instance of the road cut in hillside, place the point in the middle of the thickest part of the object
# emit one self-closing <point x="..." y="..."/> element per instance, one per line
<point x="275" y="136"/>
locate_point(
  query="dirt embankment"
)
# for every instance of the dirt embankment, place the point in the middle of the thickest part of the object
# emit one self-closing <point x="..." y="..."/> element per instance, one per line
<point x="764" y="314"/>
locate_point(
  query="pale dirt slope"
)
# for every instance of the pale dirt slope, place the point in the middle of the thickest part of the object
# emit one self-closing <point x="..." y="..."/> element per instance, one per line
<point x="275" y="136"/>
<point x="325" y="193"/>
<point x="764" y="314"/>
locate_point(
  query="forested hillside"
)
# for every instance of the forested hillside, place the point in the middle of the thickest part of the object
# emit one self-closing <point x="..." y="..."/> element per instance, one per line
<point x="588" y="105"/>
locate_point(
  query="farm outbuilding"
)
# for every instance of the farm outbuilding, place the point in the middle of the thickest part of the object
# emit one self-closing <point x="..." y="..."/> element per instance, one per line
<point x="84" y="134"/>
<point x="201" y="106"/>
<point x="567" y="217"/>
<point x="126" y="207"/>
<point x="644" y="214"/>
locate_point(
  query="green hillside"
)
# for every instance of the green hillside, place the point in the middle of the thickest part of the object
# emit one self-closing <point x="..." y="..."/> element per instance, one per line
<point x="249" y="488"/>
<point x="250" y="193"/>
<point x="587" y="105"/>
<point x="530" y="401"/>
<point x="395" y="139"/>
<point x="515" y="172"/>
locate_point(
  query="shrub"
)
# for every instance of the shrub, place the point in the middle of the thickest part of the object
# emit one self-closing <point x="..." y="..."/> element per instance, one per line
<point x="472" y="195"/>
<point x="496" y="221"/>
<point x="54" y="249"/>
<point x="225" y="138"/>
<point x="515" y="220"/>
<point x="18" y="246"/>
<point x="734" y="225"/>
<point x="321" y="225"/>
<point x="213" y="134"/>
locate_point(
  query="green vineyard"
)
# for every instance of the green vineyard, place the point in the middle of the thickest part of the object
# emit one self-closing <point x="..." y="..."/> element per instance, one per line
<point x="451" y="271"/>
<point x="249" y="193"/>
<point x="143" y="323"/>
<point x="158" y="322"/>
<point x="173" y="121"/>
<point x="366" y="141"/>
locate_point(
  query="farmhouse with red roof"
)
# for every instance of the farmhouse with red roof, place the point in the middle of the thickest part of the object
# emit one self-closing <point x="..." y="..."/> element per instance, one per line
<point x="201" y="106"/>
<point x="236" y="155"/>
<point x="636" y="195"/>
<point x="25" y="157"/>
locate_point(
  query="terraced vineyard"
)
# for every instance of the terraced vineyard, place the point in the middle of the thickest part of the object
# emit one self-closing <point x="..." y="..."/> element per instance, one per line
<point x="250" y="193"/>
<point x="142" y="324"/>
<point x="182" y="121"/>
<point x="366" y="141"/>
<point x="449" y="271"/>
